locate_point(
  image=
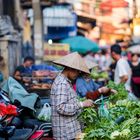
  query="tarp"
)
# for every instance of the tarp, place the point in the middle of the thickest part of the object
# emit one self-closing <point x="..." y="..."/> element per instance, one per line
<point x="81" y="44"/>
<point x="44" y="67"/>
<point x="16" y="92"/>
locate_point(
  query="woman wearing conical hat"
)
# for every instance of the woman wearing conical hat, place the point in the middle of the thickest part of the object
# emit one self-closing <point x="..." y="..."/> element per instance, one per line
<point x="87" y="87"/>
<point x="65" y="106"/>
<point x="85" y="84"/>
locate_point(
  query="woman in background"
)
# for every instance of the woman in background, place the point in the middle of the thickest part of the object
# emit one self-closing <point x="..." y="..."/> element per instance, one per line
<point x="87" y="87"/>
<point x="135" y="81"/>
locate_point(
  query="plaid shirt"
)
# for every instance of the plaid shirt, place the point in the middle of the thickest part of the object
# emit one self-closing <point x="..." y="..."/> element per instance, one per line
<point x="65" y="108"/>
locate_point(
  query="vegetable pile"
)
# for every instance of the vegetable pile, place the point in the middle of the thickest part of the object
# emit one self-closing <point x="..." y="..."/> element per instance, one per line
<point x="123" y="122"/>
<point x="120" y="88"/>
<point x="95" y="74"/>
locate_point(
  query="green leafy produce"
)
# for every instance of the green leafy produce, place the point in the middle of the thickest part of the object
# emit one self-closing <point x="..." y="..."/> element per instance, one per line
<point x="104" y="75"/>
<point x="89" y="116"/>
<point x="124" y="122"/>
<point x="95" y="74"/>
<point x="121" y="91"/>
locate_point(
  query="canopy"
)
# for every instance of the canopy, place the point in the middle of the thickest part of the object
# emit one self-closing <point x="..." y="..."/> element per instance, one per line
<point x="134" y="49"/>
<point x="113" y="4"/>
<point x="81" y="44"/>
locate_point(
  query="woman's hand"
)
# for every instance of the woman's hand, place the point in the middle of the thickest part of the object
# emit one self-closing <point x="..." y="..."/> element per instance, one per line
<point x="87" y="103"/>
<point x="104" y="90"/>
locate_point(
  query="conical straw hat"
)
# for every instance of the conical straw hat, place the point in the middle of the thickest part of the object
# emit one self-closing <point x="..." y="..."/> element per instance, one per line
<point x="73" y="60"/>
<point x="90" y="64"/>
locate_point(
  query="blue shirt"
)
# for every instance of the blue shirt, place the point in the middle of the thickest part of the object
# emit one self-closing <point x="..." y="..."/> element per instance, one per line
<point x="82" y="86"/>
<point x="24" y="70"/>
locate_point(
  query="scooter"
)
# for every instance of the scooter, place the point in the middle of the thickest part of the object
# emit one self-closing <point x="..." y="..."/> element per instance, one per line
<point x="10" y="128"/>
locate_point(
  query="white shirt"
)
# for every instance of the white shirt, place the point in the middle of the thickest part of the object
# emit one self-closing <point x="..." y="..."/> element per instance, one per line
<point x="89" y="58"/>
<point x="122" y="69"/>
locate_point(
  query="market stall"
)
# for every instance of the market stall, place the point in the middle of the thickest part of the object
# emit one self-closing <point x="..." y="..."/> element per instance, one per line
<point x="41" y="79"/>
<point x="114" y="118"/>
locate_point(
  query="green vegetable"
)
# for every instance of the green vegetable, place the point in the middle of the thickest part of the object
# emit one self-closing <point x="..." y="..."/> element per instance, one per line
<point x="104" y="75"/>
<point x="121" y="91"/>
<point x="89" y="116"/>
<point x="114" y="135"/>
<point x="95" y="74"/>
<point x="124" y="122"/>
<point x="128" y="123"/>
<point x="123" y="135"/>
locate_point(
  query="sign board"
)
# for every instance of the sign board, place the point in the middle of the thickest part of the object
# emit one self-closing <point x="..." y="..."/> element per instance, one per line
<point x="55" y="51"/>
<point x="59" y="17"/>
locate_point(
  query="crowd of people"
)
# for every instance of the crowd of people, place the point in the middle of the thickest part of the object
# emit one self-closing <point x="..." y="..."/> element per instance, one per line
<point x="127" y="70"/>
<point x="121" y="68"/>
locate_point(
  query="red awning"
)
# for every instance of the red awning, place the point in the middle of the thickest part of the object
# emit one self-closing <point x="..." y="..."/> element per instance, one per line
<point x="113" y="4"/>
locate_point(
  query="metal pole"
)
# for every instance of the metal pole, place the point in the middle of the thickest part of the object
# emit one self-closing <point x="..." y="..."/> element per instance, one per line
<point x="38" y="39"/>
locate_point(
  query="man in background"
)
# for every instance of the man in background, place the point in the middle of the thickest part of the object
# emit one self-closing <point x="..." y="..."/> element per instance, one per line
<point x="24" y="70"/>
<point x="122" y="72"/>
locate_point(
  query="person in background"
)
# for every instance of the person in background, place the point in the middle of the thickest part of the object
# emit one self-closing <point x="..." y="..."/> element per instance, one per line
<point x="122" y="72"/>
<point x="24" y="70"/>
<point x="135" y="80"/>
<point x="112" y="70"/>
<point x="102" y="60"/>
<point x="85" y="85"/>
<point x="89" y="57"/>
<point x="64" y="103"/>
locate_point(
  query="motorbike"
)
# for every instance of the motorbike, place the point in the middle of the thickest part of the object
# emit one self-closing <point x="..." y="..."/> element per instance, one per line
<point x="15" y="124"/>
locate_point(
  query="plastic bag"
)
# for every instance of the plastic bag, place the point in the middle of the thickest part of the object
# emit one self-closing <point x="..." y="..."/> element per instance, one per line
<point x="45" y="114"/>
<point x="8" y="109"/>
<point x="102" y="110"/>
<point x="132" y="97"/>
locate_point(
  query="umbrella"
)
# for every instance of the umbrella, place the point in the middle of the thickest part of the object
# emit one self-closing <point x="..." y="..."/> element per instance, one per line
<point x="134" y="49"/>
<point x="81" y="44"/>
